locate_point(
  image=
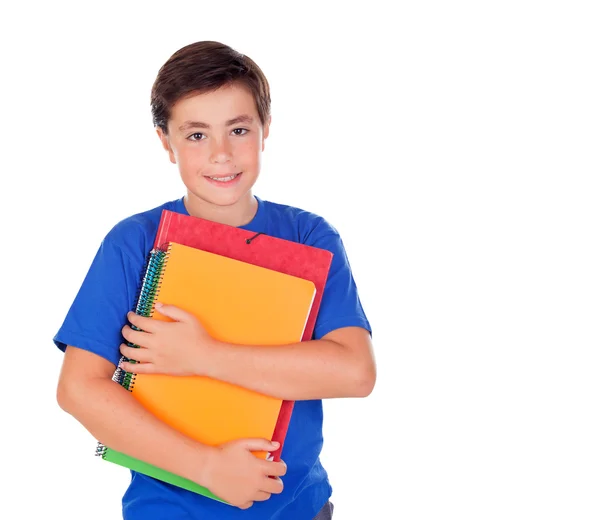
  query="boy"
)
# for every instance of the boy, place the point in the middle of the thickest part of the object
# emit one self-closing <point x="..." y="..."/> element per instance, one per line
<point x="211" y="110"/>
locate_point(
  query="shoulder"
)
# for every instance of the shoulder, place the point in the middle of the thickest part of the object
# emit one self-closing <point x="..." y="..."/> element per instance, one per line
<point x="134" y="235"/>
<point x="340" y="305"/>
<point x="306" y="226"/>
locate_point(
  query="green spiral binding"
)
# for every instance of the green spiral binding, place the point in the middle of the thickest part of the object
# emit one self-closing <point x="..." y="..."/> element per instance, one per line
<point x="144" y="307"/>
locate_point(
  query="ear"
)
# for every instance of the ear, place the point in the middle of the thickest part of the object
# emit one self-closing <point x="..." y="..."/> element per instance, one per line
<point x="266" y="127"/>
<point x="164" y="139"/>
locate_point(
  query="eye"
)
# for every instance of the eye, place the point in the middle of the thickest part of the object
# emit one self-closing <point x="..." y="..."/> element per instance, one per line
<point x="240" y="131"/>
<point x="197" y="136"/>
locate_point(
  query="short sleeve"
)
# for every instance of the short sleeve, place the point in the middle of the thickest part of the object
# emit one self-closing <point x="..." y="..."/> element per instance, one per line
<point x="99" y="310"/>
<point x="341" y="305"/>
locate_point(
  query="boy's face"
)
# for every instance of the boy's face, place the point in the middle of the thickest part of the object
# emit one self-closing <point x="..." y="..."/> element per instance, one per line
<point x="217" y="139"/>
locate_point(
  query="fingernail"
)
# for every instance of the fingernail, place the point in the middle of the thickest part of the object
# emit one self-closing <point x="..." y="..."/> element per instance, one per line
<point x="275" y="444"/>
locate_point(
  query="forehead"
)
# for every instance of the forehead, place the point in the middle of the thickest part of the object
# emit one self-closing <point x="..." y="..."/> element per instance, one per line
<point x="215" y="107"/>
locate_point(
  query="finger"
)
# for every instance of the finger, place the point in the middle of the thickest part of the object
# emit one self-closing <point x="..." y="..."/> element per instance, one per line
<point x="275" y="469"/>
<point x="137" y="337"/>
<point x="247" y="505"/>
<point x="173" y="312"/>
<point x="261" y="496"/>
<point x="272" y="485"/>
<point x="143" y="355"/>
<point x="258" y="444"/>
<point x="143" y="322"/>
<point x="138" y="368"/>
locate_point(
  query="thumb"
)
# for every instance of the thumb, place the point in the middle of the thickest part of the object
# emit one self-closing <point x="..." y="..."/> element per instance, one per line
<point x="173" y="312"/>
<point x="259" y="444"/>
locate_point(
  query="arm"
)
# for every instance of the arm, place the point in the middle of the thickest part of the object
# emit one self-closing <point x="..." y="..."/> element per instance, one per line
<point x="341" y="364"/>
<point x="114" y="417"/>
<point x="111" y="414"/>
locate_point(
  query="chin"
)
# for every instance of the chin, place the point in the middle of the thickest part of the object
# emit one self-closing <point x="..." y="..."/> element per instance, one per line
<point x="222" y="201"/>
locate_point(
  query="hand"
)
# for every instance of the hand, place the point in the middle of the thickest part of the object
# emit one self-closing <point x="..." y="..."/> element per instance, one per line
<point x="236" y="475"/>
<point x="178" y="347"/>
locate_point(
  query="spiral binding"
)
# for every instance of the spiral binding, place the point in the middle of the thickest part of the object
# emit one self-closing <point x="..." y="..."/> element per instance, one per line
<point x="100" y="450"/>
<point x="149" y="289"/>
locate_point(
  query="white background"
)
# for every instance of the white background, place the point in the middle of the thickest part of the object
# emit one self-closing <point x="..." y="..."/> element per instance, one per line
<point x="455" y="147"/>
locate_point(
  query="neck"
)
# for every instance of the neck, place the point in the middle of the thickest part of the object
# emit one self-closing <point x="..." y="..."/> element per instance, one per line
<point x="238" y="214"/>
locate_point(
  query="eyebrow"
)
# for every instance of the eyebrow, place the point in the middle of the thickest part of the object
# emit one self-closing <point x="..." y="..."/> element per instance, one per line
<point x="199" y="124"/>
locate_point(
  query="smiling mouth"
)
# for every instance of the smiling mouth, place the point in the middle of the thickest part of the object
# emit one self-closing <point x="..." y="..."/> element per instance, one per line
<point x="225" y="179"/>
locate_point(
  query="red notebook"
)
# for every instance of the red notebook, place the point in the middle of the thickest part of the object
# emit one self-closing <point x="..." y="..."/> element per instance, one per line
<point x="285" y="256"/>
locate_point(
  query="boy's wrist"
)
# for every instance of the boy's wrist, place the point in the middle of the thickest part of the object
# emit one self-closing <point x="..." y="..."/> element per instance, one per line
<point x="197" y="465"/>
<point x="208" y="358"/>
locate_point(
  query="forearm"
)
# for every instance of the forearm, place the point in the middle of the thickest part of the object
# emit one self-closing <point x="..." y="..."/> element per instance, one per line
<point x="340" y="364"/>
<point x="316" y="369"/>
<point x="114" y="417"/>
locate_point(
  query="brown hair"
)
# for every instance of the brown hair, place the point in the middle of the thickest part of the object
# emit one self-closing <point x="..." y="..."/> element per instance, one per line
<point x="203" y="67"/>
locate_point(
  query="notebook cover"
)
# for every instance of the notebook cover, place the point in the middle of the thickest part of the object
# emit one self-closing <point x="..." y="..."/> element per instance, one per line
<point x="281" y="255"/>
<point x="126" y="461"/>
<point x="238" y="303"/>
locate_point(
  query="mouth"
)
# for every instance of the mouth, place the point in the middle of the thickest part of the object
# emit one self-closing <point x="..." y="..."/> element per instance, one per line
<point x="224" y="180"/>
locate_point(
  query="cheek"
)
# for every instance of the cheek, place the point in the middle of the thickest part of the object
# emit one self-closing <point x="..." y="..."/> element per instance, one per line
<point x="190" y="159"/>
<point x="248" y="152"/>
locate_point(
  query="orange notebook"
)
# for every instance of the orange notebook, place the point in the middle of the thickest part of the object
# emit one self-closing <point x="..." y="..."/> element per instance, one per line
<point x="286" y="256"/>
<point x="236" y="302"/>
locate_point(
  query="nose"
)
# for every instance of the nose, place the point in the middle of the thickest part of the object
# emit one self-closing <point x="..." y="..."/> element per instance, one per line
<point x="220" y="151"/>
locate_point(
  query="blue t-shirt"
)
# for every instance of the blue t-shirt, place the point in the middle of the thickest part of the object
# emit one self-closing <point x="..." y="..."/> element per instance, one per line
<point x="109" y="291"/>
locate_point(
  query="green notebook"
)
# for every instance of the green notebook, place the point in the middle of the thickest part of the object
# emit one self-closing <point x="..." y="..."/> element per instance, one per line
<point x="121" y="459"/>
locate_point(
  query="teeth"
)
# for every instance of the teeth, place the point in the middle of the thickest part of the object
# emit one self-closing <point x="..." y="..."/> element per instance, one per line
<point x="224" y="179"/>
